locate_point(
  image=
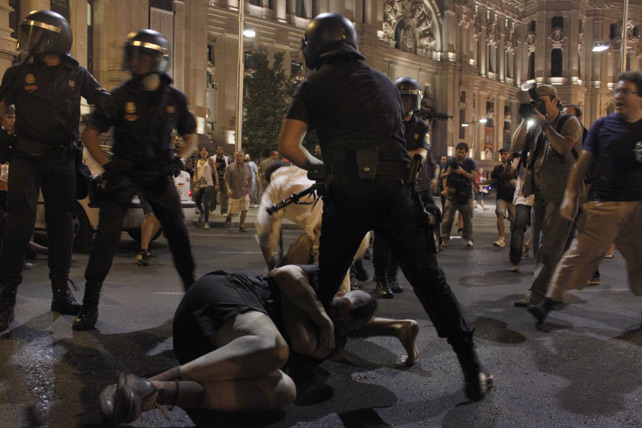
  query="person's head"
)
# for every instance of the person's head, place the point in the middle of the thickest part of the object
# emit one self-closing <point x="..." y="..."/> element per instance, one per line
<point x="411" y="94"/>
<point x="44" y="32"/>
<point x="147" y="57"/>
<point x="443" y="160"/>
<point x="239" y="157"/>
<point x="547" y="95"/>
<point x="247" y="157"/>
<point x="573" y="110"/>
<point x="219" y="150"/>
<point x="351" y="310"/>
<point x="504" y="155"/>
<point x="329" y="36"/>
<point x="461" y="151"/>
<point x="628" y="94"/>
<point x="317" y="150"/>
<point x="274" y="155"/>
<point x="204" y="152"/>
<point x="9" y="118"/>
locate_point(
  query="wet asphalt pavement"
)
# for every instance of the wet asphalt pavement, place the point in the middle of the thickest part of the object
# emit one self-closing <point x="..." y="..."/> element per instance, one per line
<point x="583" y="367"/>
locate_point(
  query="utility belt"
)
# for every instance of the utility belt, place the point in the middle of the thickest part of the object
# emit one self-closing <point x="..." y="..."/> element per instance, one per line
<point x="364" y="165"/>
<point x="35" y="150"/>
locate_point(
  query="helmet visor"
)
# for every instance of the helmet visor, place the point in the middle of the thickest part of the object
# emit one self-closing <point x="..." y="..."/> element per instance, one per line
<point x="34" y="36"/>
<point x="145" y="58"/>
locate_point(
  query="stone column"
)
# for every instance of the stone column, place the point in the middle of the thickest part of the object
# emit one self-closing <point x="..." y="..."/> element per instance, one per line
<point x="7" y="43"/>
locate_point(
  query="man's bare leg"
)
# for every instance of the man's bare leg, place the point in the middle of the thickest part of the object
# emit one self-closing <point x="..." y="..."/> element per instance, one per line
<point x="404" y="330"/>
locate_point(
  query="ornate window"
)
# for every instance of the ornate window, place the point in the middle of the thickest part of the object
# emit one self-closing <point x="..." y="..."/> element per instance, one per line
<point x="411" y="26"/>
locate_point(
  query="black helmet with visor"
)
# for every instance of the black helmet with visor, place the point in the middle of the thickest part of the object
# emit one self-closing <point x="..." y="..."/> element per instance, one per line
<point x="44" y="32"/>
<point x="409" y="87"/>
<point x="147" y="46"/>
<point x="327" y="36"/>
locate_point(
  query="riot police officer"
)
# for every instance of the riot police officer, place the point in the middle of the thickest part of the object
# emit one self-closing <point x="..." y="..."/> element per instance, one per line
<point x="417" y="135"/>
<point x="357" y="114"/>
<point x="46" y="92"/>
<point x="143" y="111"/>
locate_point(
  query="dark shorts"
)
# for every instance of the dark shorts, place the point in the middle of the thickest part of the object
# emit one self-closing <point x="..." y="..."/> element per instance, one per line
<point x="211" y="302"/>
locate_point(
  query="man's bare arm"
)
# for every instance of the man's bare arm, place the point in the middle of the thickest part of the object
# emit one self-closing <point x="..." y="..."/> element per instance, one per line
<point x="90" y="138"/>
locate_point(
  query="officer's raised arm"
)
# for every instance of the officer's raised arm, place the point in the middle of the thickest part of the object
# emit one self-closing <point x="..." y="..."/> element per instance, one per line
<point x="291" y="144"/>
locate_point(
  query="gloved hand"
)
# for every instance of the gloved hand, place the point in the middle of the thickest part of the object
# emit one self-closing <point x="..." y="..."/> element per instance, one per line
<point x="174" y="167"/>
<point x="115" y="177"/>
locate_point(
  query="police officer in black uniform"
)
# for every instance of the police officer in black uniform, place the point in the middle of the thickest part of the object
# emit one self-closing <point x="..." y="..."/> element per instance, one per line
<point x="143" y="111"/>
<point x="416" y="131"/>
<point x="357" y="113"/>
<point x="46" y="92"/>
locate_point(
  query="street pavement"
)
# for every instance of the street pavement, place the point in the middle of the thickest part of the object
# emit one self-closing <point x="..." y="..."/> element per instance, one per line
<point x="580" y="368"/>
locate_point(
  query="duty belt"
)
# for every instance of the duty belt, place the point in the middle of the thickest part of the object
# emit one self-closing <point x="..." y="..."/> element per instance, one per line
<point x="387" y="171"/>
<point x="35" y="149"/>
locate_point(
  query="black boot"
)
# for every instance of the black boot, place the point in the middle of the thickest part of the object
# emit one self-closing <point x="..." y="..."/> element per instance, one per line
<point x="63" y="301"/>
<point x="360" y="270"/>
<point x="88" y="315"/>
<point x="540" y="312"/>
<point x="395" y="286"/>
<point x="7" y="303"/>
<point x="383" y="289"/>
<point x="476" y="382"/>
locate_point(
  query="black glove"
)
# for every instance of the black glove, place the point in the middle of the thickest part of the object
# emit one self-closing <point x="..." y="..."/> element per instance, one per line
<point x="174" y="167"/>
<point x="115" y="177"/>
<point x="435" y="212"/>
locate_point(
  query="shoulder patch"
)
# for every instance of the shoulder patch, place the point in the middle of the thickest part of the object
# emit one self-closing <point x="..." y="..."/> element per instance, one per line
<point x="130" y="107"/>
<point x="30" y="78"/>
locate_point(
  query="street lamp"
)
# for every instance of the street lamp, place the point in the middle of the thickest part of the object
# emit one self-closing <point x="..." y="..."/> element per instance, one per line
<point x="483" y="120"/>
<point x="249" y="33"/>
<point x="602" y="46"/>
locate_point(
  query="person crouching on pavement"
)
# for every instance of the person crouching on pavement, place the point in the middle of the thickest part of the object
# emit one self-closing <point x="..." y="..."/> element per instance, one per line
<point x="234" y="334"/>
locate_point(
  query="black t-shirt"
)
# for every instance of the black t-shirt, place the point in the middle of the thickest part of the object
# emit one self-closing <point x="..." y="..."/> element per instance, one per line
<point x="143" y="122"/>
<point x="351" y="105"/>
<point x="504" y="183"/>
<point x="457" y="181"/>
<point x="47" y="99"/>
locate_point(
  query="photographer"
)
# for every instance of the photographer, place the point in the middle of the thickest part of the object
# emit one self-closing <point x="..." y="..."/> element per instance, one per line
<point x="460" y="172"/>
<point x="555" y="145"/>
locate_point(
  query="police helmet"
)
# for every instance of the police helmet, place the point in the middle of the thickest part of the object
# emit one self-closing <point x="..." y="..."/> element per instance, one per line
<point x="410" y="87"/>
<point x="147" y="43"/>
<point x="44" y="32"/>
<point x="329" y="35"/>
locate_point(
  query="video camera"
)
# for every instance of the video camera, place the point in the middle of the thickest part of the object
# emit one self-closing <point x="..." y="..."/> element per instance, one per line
<point x="526" y="110"/>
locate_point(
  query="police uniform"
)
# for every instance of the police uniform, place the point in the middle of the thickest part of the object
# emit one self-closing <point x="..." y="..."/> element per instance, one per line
<point x="387" y="267"/>
<point x="47" y="101"/>
<point x="357" y="113"/>
<point x="143" y="122"/>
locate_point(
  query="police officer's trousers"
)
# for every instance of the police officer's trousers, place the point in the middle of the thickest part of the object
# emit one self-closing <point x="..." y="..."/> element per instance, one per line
<point x="56" y="177"/>
<point x="161" y="194"/>
<point x="388" y="208"/>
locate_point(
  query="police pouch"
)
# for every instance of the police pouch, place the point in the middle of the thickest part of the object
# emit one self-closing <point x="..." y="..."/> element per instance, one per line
<point x="367" y="160"/>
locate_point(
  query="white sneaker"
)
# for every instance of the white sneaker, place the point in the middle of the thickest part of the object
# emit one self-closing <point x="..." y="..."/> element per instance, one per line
<point x="469" y="243"/>
<point x="514" y="268"/>
<point x="206" y="225"/>
<point x="500" y="243"/>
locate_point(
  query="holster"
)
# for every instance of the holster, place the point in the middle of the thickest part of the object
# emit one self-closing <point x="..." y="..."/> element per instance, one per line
<point x="367" y="160"/>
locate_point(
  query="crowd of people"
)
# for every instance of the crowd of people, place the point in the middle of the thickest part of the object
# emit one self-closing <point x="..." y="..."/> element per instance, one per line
<point x="234" y="334"/>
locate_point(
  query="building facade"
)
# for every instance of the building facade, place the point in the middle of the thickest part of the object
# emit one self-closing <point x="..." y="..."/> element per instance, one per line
<point x="471" y="57"/>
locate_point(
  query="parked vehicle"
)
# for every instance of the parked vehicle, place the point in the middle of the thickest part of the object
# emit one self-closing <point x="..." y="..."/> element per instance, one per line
<point x="86" y="217"/>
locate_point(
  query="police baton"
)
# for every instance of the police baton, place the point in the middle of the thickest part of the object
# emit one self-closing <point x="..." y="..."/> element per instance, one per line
<point x="292" y="199"/>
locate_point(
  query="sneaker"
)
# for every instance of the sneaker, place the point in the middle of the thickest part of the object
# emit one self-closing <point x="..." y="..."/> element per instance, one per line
<point x="595" y="280"/>
<point x="500" y="243"/>
<point x="142" y="258"/>
<point x="527" y="301"/>
<point x="609" y="255"/>
<point x="514" y="267"/>
<point x="394" y="286"/>
<point x="206" y="226"/>
<point x="477" y="384"/>
<point x="469" y="243"/>
<point x="540" y="311"/>
<point x="228" y="222"/>
<point x="242" y="229"/>
<point x="224" y="214"/>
